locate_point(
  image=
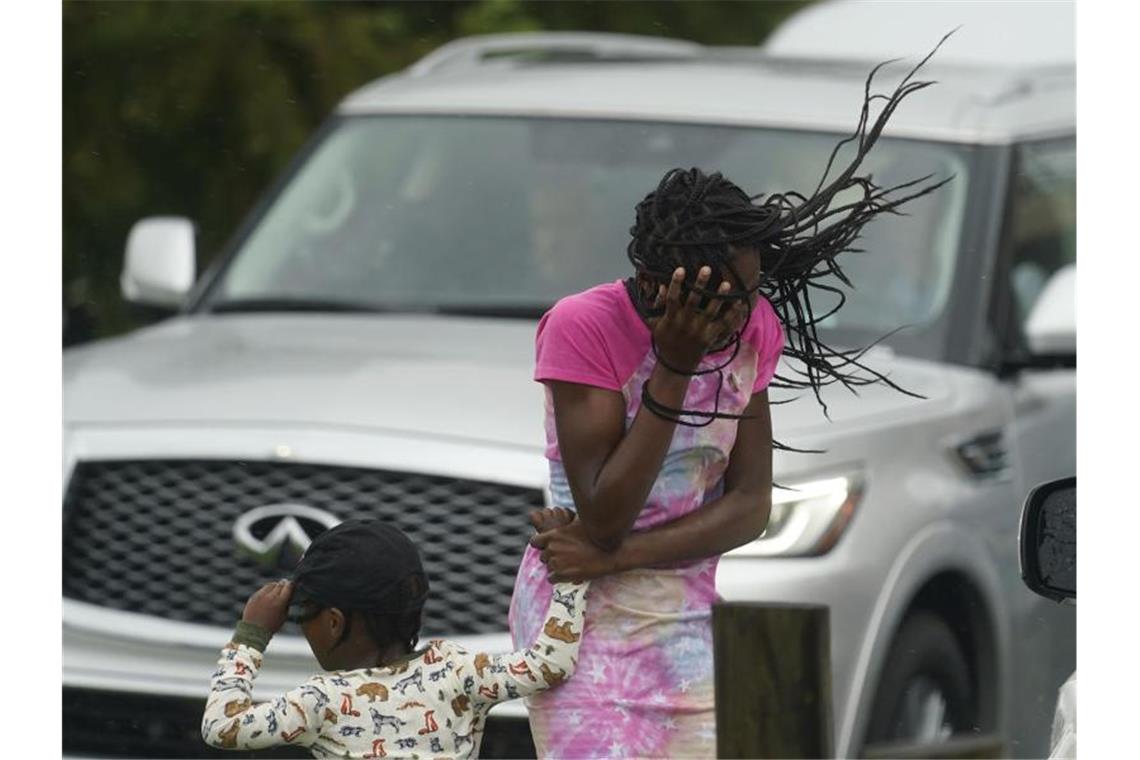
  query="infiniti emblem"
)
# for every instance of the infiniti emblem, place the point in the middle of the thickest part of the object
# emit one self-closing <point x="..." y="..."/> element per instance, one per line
<point x="276" y="535"/>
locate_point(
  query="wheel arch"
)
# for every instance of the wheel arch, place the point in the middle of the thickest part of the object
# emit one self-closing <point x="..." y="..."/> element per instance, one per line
<point x="956" y="598"/>
<point x="946" y="571"/>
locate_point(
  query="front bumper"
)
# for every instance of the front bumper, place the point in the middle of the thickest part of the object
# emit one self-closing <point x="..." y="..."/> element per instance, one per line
<point x="129" y="725"/>
<point x="113" y="651"/>
<point x="135" y="686"/>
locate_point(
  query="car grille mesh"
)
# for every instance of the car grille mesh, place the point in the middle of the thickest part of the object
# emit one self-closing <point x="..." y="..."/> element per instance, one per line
<point x="156" y="537"/>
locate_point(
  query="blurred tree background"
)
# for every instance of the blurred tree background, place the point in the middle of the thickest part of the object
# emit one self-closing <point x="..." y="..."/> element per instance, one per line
<point x="192" y="108"/>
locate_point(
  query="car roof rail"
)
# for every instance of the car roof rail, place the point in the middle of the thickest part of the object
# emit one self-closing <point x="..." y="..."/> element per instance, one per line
<point x="470" y="52"/>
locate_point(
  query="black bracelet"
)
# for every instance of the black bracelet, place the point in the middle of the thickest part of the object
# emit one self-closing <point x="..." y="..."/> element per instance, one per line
<point x="664" y="412"/>
<point x="670" y="414"/>
<point x="736" y="339"/>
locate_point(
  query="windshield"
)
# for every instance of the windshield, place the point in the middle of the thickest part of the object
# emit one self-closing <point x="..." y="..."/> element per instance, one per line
<point x="506" y="215"/>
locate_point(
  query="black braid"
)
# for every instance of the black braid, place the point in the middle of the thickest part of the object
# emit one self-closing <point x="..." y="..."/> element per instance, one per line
<point x="691" y="219"/>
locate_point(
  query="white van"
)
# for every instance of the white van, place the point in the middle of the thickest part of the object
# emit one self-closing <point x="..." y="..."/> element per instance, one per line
<point x="365" y="347"/>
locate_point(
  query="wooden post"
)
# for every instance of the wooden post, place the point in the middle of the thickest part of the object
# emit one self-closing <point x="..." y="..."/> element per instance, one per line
<point x="773" y="680"/>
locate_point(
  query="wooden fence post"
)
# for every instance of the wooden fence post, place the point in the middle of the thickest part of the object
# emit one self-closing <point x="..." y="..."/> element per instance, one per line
<point x="773" y="680"/>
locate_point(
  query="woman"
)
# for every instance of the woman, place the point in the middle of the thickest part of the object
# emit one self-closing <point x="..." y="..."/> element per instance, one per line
<point x="659" y="438"/>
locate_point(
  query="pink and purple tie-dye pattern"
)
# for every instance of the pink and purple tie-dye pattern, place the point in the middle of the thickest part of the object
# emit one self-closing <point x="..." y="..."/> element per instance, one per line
<point x="644" y="685"/>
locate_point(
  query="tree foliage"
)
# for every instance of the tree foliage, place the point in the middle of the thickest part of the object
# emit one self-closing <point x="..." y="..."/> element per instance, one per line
<point x="191" y="108"/>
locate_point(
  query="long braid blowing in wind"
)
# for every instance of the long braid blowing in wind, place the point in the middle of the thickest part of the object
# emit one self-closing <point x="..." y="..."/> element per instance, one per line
<point x="692" y="218"/>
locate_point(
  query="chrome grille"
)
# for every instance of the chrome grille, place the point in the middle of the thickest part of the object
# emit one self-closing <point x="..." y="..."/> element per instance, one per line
<point x="156" y="537"/>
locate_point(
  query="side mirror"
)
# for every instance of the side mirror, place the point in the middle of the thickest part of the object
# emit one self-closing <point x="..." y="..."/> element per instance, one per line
<point x="159" y="265"/>
<point x="1052" y="324"/>
<point x="1048" y="543"/>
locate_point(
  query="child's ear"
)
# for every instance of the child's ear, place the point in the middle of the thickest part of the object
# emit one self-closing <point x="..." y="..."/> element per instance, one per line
<point x="337" y="621"/>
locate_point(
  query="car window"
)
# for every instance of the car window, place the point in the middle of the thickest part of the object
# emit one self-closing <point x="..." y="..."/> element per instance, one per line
<point x="405" y="212"/>
<point x="1043" y="219"/>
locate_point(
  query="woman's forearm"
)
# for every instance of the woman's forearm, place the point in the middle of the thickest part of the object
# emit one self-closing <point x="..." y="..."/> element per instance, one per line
<point x="734" y="519"/>
<point x="609" y="506"/>
<point x="573" y="553"/>
<point x="721" y="525"/>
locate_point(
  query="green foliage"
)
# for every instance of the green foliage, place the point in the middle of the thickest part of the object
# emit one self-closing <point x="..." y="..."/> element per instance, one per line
<point x="192" y="108"/>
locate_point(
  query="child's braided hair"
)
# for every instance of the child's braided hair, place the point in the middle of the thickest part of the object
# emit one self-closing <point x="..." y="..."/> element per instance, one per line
<point x="692" y="218"/>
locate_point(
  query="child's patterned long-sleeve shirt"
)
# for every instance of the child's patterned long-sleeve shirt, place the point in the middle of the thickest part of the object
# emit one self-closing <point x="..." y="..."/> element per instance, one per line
<point x="432" y="706"/>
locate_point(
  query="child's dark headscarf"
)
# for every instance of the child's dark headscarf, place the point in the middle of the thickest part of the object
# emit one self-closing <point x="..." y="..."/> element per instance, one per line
<point x="369" y="567"/>
<point x="692" y="218"/>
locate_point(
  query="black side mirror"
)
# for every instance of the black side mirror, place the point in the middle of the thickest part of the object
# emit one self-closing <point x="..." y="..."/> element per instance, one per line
<point x="1049" y="540"/>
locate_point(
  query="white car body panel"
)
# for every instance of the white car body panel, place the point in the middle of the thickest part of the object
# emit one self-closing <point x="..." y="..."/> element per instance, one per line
<point x="228" y="387"/>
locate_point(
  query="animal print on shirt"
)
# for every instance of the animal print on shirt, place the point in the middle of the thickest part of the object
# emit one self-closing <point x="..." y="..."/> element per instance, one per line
<point x="389" y="712"/>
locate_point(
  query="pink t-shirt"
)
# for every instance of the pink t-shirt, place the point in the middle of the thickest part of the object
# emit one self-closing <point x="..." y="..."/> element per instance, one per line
<point x="597" y="338"/>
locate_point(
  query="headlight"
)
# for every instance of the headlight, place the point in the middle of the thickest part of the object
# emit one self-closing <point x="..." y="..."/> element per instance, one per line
<point x="807" y="518"/>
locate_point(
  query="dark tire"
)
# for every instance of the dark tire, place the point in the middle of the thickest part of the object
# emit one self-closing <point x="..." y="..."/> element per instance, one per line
<point x="924" y="694"/>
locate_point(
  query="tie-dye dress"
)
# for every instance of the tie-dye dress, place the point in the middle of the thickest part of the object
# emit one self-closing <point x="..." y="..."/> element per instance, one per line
<point x="644" y="685"/>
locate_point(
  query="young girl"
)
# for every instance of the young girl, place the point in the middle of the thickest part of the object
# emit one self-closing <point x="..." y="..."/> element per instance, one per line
<point x="659" y="438"/>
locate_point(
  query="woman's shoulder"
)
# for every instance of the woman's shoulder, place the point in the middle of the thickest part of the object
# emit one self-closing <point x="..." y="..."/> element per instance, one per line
<point x="765" y="334"/>
<point x="593" y="337"/>
<point x="603" y="313"/>
<point x="764" y="328"/>
<point x="608" y="300"/>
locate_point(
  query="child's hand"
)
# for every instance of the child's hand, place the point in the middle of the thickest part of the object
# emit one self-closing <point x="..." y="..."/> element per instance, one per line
<point x="550" y="518"/>
<point x="570" y="555"/>
<point x="268" y="606"/>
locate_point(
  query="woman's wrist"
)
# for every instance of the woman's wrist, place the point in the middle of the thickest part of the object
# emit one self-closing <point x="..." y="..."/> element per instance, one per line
<point x="668" y="386"/>
<point x="627" y="556"/>
<point x="683" y="368"/>
<point x="664" y="394"/>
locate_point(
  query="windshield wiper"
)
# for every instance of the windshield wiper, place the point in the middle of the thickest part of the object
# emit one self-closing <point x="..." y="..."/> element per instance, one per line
<point x="250" y="305"/>
<point x="238" y="305"/>
<point x="507" y="311"/>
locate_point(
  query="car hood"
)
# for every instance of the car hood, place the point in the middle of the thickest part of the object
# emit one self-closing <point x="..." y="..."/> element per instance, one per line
<point x="454" y="377"/>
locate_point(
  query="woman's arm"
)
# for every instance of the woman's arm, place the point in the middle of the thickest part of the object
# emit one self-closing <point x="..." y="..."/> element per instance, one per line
<point x="611" y="470"/>
<point x="737" y="517"/>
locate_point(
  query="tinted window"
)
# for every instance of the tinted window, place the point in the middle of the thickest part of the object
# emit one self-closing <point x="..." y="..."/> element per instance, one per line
<point x="1043" y="219"/>
<point x="405" y="212"/>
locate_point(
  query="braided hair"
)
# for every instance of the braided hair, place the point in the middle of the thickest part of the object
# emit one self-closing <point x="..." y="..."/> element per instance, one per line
<point x="692" y="219"/>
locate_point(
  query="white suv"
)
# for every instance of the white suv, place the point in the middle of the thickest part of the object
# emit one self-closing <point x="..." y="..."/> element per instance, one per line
<point x="365" y="347"/>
